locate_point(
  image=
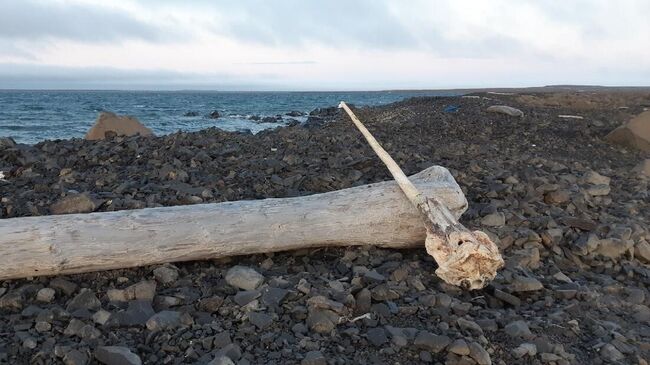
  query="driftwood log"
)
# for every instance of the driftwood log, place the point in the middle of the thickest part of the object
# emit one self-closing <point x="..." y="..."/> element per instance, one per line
<point x="375" y="214"/>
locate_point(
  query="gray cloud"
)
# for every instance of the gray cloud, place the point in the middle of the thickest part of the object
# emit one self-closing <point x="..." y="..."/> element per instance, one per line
<point x="364" y="24"/>
<point x="26" y="76"/>
<point x="296" y="22"/>
<point x="38" y="20"/>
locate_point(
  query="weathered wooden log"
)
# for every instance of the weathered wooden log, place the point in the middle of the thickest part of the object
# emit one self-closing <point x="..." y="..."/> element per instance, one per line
<point x="375" y="214"/>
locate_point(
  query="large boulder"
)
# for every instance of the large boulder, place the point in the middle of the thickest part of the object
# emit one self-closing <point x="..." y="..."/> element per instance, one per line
<point x="635" y="133"/>
<point x="120" y="125"/>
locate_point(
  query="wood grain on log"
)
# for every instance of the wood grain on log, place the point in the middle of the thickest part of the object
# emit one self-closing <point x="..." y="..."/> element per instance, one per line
<point x="376" y="214"/>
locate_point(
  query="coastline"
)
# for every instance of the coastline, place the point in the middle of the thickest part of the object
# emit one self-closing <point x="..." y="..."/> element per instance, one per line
<point x="529" y="182"/>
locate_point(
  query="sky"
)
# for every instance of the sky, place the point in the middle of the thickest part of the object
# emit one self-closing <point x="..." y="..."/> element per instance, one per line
<point x="322" y="45"/>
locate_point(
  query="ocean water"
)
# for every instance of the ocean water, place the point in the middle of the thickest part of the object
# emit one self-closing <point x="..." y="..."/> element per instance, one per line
<point x="33" y="116"/>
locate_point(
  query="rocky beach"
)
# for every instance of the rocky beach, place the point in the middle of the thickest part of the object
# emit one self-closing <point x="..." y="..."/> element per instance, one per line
<point x="569" y="210"/>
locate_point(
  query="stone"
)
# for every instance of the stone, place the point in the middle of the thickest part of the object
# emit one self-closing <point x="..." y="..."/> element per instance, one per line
<point x="66" y="286"/>
<point x="383" y="292"/>
<point x="117" y="124"/>
<point x="549" y="357"/>
<point x="74" y="203"/>
<point x="168" y="320"/>
<point x="75" y="357"/>
<point x="231" y="350"/>
<point x="598" y="190"/>
<point x="363" y="301"/>
<point x="222" y="339"/>
<point x="116" y="355"/>
<point x="633" y="134"/>
<point x="494" y="220"/>
<point x="459" y="347"/>
<point x="12" y="300"/>
<point x="468" y="325"/>
<point x="165" y="275"/>
<point x="372" y="276"/>
<point x="612" y="248"/>
<point x="507" y="297"/>
<point x="211" y="304"/>
<point x="431" y="342"/>
<point x="221" y="360"/>
<point x="244" y="297"/>
<point x="101" y="317"/>
<point x="322" y="320"/>
<point x="525" y="349"/>
<point x="7" y="142"/>
<point x="522" y="283"/>
<point x="642" y="251"/>
<point x="518" y="329"/>
<point x="86" y="299"/>
<point x="45" y="295"/>
<point x="377" y="336"/>
<point x="74" y="327"/>
<point x="30" y="343"/>
<point x="557" y="197"/>
<point x="314" y="358"/>
<point x="504" y="109"/>
<point x="42" y="326"/>
<point x="137" y="314"/>
<point x="479" y="354"/>
<point x="610" y="353"/>
<point x="594" y="178"/>
<point x="643" y="168"/>
<point x="273" y="297"/>
<point x="260" y="320"/>
<point x="214" y="115"/>
<point x="143" y="290"/>
<point x="243" y="277"/>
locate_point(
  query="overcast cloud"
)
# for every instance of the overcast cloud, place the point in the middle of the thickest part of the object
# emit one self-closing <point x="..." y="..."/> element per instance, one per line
<point x="336" y="44"/>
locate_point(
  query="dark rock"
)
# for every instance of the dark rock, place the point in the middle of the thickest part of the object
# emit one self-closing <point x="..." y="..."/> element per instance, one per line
<point x="137" y="314"/>
<point x="273" y="297"/>
<point x="363" y="301"/>
<point x="221" y="360"/>
<point x="377" y="336"/>
<point x="75" y="357"/>
<point x="244" y="278"/>
<point x="431" y="342"/>
<point x="211" y="304"/>
<point x="314" y="358"/>
<point x="86" y="299"/>
<point x="166" y="275"/>
<point x="244" y="297"/>
<point x="7" y="142"/>
<point x="214" y="115"/>
<point x="116" y="355"/>
<point x="191" y="114"/>
<point x="524" y="283"/>
<point x="459" y="347"/>
<point x="322" y="320"/>
<point x="168" y="320"/>
<point x="260" y="320"/>
<point x="74" y="203"/>
<point x="518" y="329"/>
<point x="12" y="300"/>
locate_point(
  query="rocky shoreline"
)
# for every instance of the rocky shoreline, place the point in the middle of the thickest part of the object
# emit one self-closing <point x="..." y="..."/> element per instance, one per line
<point x="568" y="210"/>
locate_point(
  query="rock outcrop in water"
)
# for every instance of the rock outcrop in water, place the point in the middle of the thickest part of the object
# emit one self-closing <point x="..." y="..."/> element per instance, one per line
<point x="121" y="125"/>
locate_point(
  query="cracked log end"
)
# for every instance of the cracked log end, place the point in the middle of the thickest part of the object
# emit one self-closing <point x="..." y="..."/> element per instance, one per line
<point x="466" y="259"/>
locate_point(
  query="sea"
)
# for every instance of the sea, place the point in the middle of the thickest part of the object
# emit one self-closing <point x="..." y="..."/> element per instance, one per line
<point x="33" y="116"/>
